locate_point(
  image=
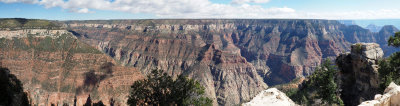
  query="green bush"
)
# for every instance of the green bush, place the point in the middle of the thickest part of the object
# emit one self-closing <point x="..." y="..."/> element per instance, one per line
<point x="321" y="84"/>
<point x="357" y="48"/>
<point x="389" y="67"/>
<point x="161" y="89"/>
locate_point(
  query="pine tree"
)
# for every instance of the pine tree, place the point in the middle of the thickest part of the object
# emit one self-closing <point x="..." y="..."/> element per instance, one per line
<point x="160" y="89"/>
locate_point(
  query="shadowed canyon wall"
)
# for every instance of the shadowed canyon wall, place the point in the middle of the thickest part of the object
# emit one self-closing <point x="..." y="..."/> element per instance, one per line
<point x="234" y="59"/>
<point x="55" y="68"/>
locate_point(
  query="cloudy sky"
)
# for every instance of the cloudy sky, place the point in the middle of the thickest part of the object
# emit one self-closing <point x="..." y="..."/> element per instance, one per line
<point x="161" y="9"/>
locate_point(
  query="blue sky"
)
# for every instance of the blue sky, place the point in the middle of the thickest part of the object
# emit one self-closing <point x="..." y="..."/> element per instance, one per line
<point x="158" y="9"/>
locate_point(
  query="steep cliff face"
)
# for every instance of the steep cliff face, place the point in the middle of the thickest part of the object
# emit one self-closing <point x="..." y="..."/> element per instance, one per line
<point x="275" y="50"/>
<point x="390" y="97"/>
<point x="280" y="50"/>
<point x="356" y="34"/>
<point x="54" y="68"/>
<point x="359" y="79"/>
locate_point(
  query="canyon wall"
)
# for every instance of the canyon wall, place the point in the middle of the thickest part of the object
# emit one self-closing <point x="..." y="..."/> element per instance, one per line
<point x="234" y="59"/>
<point x="55" y="68"/>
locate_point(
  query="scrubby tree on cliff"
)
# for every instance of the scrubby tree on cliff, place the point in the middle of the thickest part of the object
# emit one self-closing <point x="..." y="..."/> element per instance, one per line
<point x="160" y="89"/>
<point x="11" y="90"/>
<point x="321" y="84"/>
<point x="394" y="40"/>
<point x="389" y="67"/>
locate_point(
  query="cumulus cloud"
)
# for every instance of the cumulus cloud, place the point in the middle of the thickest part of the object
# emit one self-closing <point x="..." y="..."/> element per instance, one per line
<point x="249" y="1"/>
<point x="168" y="8"/>
<point x="203" y="9"/>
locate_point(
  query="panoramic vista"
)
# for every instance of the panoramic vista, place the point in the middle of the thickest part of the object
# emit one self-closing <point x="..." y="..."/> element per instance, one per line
<point x="199" y="53"/>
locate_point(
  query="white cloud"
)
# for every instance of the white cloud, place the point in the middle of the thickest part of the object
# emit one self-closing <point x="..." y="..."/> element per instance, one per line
<point x="82" y="10"/>
<point x="204" y="9"/>
<point x="18" y="1"/>
<point x="249" y="1"/>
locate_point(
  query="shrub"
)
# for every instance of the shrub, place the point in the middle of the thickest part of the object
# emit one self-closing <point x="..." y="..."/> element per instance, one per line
<point x="161" y="89"/>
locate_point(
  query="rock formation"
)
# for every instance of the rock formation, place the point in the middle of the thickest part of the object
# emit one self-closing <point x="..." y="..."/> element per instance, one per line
<point x="271" y="97"/>
<point x="55" y="68"/>
<point x="233" y="59"/>
<point x="275" y="50"/>
<point x="391" y="97"/>
<point x="359" y="73"/>
<point x="373" y="28"/>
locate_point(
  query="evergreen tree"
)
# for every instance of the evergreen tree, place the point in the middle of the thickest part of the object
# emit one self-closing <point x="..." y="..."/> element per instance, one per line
<point x="88" y="102"/>
<point x="389" y="67"/>
<point x="321" y="84"/>
<point x="160" y="89"/>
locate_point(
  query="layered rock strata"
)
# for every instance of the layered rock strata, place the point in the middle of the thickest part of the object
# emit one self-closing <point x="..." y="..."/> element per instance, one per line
<point x="359" y="79"/>
<point x="55" y="68"/>
<point x="275" y="50"/>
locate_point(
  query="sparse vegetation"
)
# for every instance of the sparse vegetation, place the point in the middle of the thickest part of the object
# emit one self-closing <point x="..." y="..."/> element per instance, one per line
<point x="21" y="23"/>
<point x="394" y="40"/>
<point x="358" y="47"/>
<point x="160" y="89"/>
<point x="389" y="67"/>
<point x="321" y="84"/>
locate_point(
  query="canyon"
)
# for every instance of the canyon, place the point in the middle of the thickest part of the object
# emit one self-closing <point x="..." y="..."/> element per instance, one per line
<point x="234" y="59"/>
<point x="57" y="69"/>
<point x="219" y="51"/>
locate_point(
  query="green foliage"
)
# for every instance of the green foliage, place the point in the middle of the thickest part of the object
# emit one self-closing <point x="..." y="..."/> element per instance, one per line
<point x="358" y="47"/>
<point x="394" y="40"/>
<point x="160" y="89"/>
<point x="21" y="23"/>
<point x="389" y="67"/>
<point x="389" y="70"/>
<point x="321" y="84"/>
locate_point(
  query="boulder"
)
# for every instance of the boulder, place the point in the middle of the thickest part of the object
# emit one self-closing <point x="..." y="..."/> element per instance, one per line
<point x="271" y="97"/>
<point x="390" y="98"/>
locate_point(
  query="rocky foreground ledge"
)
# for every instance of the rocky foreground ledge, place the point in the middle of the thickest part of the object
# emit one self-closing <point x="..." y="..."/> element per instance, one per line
<point x="358" y="80"/>
<point x="271" y="97"/>
<point x="390" y="98"/>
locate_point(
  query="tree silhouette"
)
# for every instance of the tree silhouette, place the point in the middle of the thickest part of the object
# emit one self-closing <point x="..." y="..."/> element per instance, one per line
<point x="160" y="89"/>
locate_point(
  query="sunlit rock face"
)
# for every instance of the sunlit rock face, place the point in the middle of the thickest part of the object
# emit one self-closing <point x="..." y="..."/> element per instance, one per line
<point x="359" y="79"/>
<point x="55" y="68"/>
<point x="234" y="59"/>
<point x="271" y="97"/>
<point x="390" y="97"/>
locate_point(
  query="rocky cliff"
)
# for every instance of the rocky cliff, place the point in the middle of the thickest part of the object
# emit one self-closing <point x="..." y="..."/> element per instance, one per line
<point x="55" y="68"/>
<point x="390" y="97"/>
<point x="359" y="79"/>
<point x="224" y="53"/>
<point x="271" y="97"/>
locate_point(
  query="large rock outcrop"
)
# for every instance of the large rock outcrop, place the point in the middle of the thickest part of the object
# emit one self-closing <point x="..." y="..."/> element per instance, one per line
<point x="271" y="97"/>
<point x="55" y="68"/>
<point x="358" y="77"/>
<point x="391" y="97"/>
